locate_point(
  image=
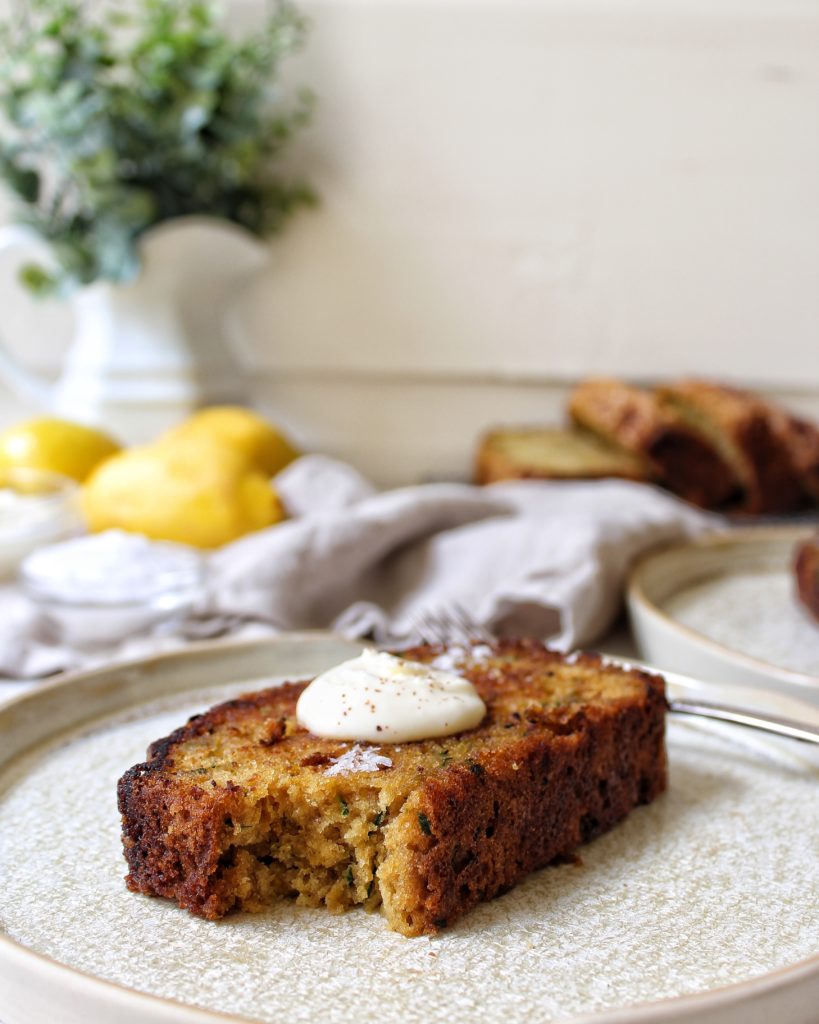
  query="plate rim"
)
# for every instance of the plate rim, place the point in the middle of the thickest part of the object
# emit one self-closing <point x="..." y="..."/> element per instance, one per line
<point x="32" y="965"/>
<point x="636" y="595"/>
<point x="659" y="1011"/>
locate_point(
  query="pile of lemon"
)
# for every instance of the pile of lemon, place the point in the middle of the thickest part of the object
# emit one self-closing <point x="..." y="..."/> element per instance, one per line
<point x="205" y="483"/>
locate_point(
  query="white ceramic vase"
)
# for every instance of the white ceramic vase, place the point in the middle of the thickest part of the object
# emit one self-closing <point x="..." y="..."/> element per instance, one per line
<point x="147" y="353"/>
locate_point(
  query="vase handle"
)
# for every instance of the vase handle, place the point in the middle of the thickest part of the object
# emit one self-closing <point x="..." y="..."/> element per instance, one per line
<point x="16" y="238"/>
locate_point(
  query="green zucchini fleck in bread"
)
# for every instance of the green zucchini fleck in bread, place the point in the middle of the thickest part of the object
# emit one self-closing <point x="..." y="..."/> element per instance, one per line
<point x="241" y="806"/>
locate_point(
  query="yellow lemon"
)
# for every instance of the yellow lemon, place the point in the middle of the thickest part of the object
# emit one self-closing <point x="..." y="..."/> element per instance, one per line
<point x="58" y="446"/>
<point x="191" y="491"/>
<point x="261" y="444"/>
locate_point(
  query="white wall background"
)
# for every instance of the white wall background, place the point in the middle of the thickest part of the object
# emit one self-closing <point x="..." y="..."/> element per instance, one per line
<point x="519" y="192"/>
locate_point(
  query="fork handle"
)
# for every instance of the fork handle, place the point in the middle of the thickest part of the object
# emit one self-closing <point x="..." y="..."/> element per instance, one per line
<point x="747" y="716"/>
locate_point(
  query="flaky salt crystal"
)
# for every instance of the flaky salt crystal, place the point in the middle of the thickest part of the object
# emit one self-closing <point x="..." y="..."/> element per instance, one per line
<point x="358" y="759"/>
<point x="456" y="655"/>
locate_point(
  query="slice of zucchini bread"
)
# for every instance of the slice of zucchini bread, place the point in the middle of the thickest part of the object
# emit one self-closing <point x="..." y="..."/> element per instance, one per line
<point x="800" y="439"/>
<point x="553" y="454"/>
<point x="241" y="805"/>
<point x="635" y="420"/>
<point x="739" y="426"/>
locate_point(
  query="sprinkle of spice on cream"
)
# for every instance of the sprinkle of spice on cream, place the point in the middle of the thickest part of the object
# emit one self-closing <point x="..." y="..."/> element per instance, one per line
<point x="380" y="697"/>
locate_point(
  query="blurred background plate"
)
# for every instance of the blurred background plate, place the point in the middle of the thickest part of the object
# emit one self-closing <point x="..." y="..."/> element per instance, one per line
<point x="724" y="608"/>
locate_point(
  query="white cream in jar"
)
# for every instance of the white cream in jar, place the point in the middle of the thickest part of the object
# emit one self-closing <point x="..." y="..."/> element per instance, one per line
<point x="105" y="587"/>
<point x="379" y="697"/>
<point x="36" y="508"/>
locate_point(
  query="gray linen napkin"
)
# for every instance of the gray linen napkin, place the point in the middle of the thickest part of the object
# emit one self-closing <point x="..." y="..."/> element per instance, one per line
<point x="529" y="557"/>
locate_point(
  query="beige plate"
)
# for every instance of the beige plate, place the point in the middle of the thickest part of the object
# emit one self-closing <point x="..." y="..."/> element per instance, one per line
<point x="702" y="906"/>
<point x="725" y="608"/>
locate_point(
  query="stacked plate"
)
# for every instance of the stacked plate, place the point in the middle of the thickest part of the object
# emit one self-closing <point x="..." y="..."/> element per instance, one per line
<point x="724" y="608"/>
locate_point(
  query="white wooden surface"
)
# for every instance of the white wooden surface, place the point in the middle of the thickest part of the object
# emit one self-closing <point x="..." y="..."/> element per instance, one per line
<point x="518" y="193"/>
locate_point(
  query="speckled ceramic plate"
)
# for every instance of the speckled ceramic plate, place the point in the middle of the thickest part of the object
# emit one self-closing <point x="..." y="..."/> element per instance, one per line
<point x="724" y="608"/>
<point x="701" y="907"/>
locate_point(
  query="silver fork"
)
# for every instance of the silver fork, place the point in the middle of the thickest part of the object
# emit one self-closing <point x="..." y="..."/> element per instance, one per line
<point x="454" y="625"/>
<point x="451" y="625"/>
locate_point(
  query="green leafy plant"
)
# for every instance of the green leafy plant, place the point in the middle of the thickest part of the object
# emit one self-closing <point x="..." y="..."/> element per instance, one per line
<point x="114" y="121"/>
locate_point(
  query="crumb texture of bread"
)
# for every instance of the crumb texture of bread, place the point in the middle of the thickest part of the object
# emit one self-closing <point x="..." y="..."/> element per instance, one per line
<point x="636" y="420"/>
<point x="241" y="806"/>
<point x="553" y="454"/>
<point x="806" y="568"/>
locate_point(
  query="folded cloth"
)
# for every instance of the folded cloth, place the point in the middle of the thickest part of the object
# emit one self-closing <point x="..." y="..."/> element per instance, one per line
<point x="540" y="558"/>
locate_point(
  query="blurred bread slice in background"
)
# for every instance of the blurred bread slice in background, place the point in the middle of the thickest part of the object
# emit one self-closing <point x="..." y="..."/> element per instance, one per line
<point x="806" y="567"/>
<point x="553" y="453"/>
<point x="713" y="445"/>
<point x="738" y="425"/>
<point x="800" y="439"/>
<point x="637" y="421"/>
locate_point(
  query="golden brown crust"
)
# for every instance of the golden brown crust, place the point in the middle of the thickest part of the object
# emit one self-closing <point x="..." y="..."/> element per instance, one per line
<point x="538" y="453"/>
<point x="806" y="568"/>
<point x="568" y="747"/>
<point x="534" y="806"/>
<point x="637" y="421"/>
<point x="623" y="414"/>
<point x="740" y="423"/>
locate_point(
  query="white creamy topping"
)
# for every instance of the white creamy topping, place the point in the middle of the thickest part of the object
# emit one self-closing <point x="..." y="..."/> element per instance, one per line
<point x="19" y="512"/>
<point x="30" y="520"/>
<point x="379" y="697"/>
<point x="111" y="567"/>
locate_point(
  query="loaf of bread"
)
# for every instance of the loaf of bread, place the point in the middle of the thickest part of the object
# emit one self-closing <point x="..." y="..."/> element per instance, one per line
<point x="739" y="427"/>
<point x="637" y="421"/>
<point x="553" y="454"/>
<point x="242" y="806"/>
